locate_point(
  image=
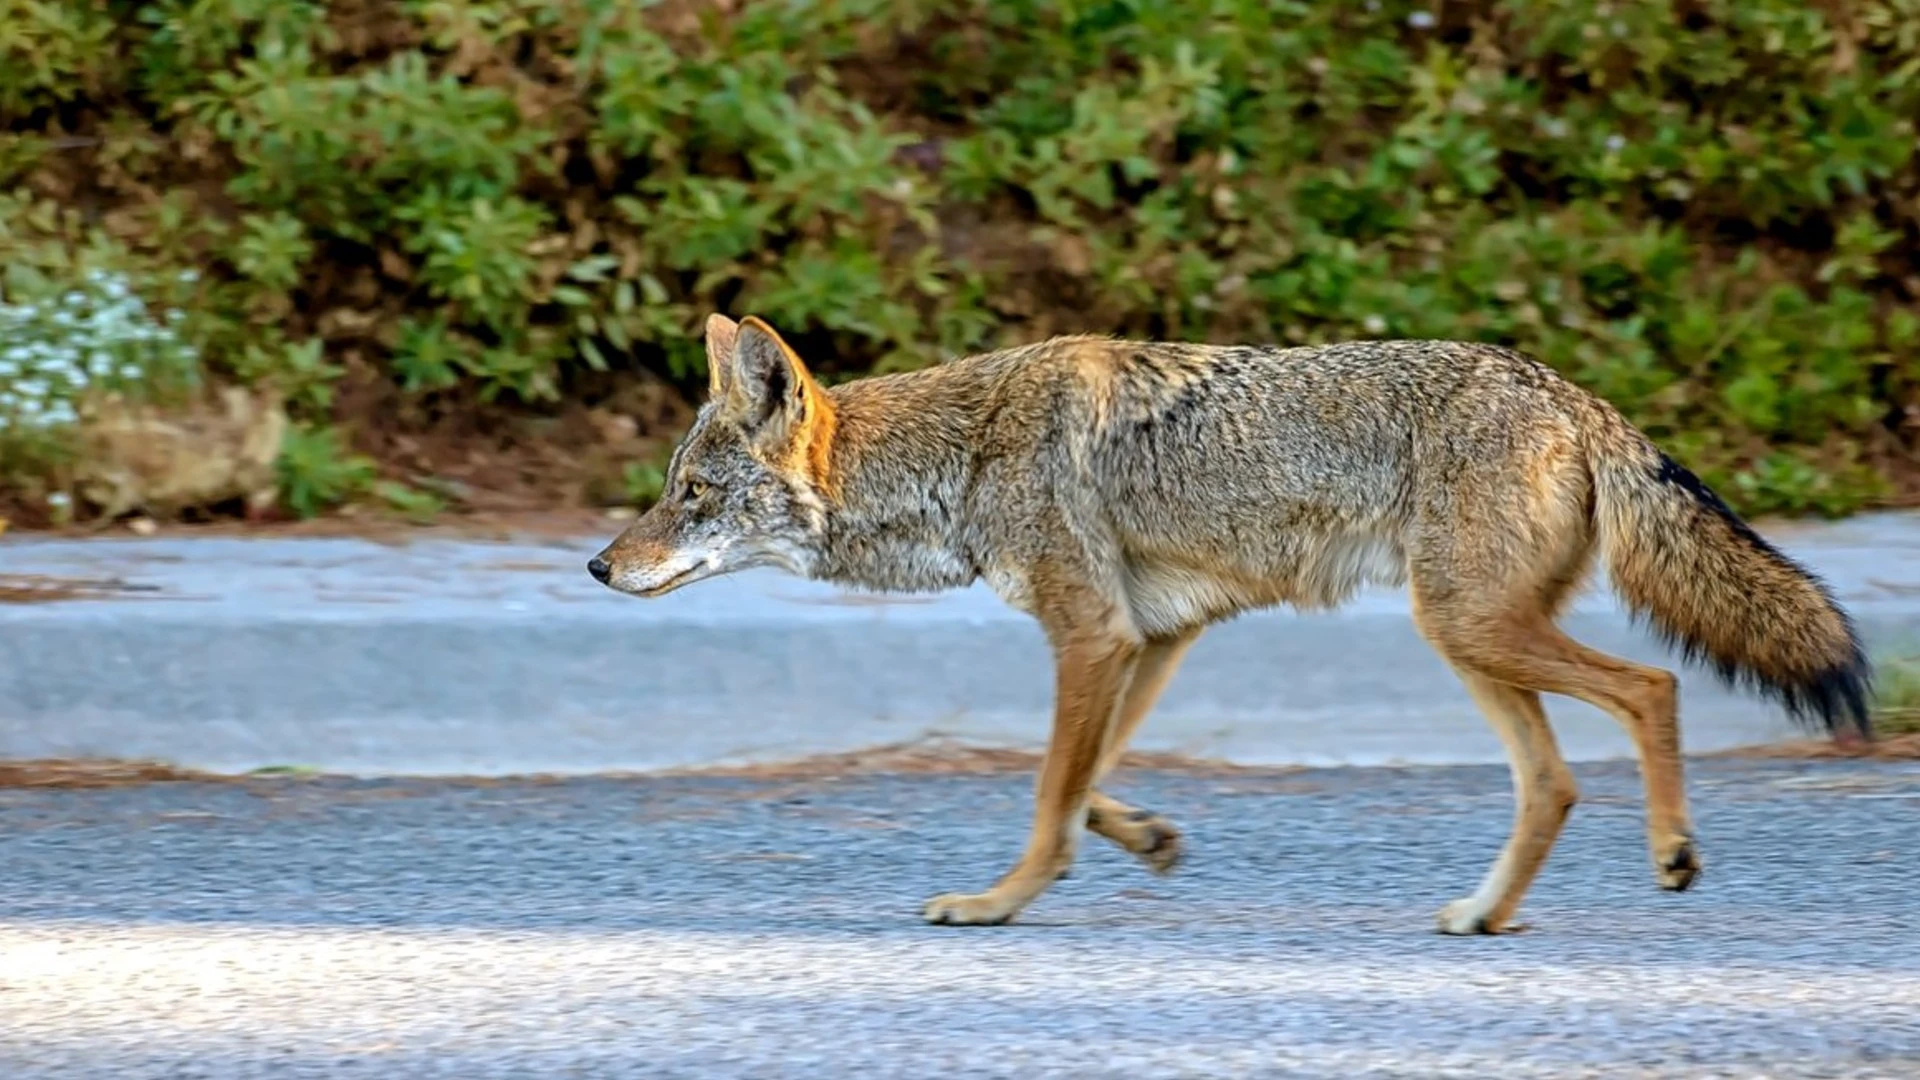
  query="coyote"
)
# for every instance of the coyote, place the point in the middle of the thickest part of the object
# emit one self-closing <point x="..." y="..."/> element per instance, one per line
<point x="1127" y="495"/>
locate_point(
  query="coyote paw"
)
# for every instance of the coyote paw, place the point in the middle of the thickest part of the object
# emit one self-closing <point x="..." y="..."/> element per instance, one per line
<point x="1676" y="863"/>
<point x="1466" y="916"/>
<point x="959" y="909"/>
<point x="1153" y="840"/>
<point x="1143" y="834"/>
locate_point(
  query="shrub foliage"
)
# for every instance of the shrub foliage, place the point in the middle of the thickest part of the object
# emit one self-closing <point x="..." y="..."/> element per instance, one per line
<point x="1705" y="210"/>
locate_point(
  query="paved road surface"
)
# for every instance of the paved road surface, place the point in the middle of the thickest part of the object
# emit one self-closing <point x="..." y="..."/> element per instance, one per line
<point x="731" y="928"/>
<point x="460" y="657"/>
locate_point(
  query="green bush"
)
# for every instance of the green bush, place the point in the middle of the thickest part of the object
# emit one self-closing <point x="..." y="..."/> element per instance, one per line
<point x="1708" y="213"/>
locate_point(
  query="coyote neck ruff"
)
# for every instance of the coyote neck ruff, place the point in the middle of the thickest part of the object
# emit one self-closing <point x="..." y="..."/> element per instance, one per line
<point x="894" y="514"/>
<point x="1127" y="495"/>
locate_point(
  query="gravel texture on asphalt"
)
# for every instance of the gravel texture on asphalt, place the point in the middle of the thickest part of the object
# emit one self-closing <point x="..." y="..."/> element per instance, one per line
<point x="710" y="927"/>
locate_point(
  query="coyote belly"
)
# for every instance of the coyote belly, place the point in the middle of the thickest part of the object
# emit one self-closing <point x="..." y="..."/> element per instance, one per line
<point x="1128" y="495"/>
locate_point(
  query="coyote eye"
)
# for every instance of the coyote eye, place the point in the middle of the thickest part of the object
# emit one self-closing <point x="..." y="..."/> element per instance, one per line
<point x="697" y="488"/>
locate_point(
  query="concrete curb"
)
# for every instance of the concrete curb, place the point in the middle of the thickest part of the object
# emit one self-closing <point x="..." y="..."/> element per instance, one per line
<point x="456" y="657"/>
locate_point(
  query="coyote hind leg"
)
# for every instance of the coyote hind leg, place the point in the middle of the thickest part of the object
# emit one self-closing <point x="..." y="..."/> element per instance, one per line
<point x="1492" y="560"/>
<point x="1644" y="701"/>
<point x="1544" y="793"/>
<point x="1507" y="661"/>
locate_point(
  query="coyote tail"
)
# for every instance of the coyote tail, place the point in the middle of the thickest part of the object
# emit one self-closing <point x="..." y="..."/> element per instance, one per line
<point x="1711" y="586"/>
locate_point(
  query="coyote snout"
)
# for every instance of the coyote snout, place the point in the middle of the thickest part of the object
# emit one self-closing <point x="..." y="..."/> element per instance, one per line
<point x="642" y="568"/>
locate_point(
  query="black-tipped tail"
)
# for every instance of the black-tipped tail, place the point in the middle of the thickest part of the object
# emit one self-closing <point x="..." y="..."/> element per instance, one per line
<point x="1723" y="596"/>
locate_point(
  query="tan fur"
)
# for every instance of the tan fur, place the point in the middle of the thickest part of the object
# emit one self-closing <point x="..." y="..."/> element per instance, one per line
<point x="1126" y="495"/>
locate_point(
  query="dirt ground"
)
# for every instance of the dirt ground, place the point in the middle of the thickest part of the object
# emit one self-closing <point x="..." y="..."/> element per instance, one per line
<point x="935" y="758"/>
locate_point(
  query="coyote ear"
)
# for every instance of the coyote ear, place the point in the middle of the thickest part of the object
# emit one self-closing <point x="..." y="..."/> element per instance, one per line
<point x="721" y="334"/>
<point x="769" y="392"/>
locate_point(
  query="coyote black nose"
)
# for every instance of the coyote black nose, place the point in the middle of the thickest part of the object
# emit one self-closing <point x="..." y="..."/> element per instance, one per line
<point x="599" y="569"/>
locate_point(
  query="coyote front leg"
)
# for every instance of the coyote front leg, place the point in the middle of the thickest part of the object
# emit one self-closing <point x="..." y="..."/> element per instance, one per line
<point x="1142" y="833"/>
<point x="1091" y="678"/>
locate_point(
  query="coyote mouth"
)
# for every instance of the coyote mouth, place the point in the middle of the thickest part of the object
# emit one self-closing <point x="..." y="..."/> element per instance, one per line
<point x="684" y="577"/>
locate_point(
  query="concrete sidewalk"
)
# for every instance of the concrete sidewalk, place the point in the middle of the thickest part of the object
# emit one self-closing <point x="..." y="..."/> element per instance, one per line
<point x="455" y="657"/>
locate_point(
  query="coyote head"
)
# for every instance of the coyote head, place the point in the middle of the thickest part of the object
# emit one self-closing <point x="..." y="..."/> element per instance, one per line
<point x="744" y="487"/>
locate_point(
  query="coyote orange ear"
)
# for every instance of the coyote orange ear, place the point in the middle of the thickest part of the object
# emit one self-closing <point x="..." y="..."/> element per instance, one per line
<point x="721" y="334"/>
<point x="769" y="392"/>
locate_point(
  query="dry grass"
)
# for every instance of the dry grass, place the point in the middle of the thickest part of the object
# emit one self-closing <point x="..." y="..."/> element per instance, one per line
<point x="1897" y="713"/>
<point x="1888" y="748"/>
<point x="93" y="773"/>
<point x="935" y="757"/>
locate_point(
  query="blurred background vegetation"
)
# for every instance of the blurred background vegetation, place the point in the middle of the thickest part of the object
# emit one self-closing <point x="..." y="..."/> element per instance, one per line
<point x="434" y="256"/>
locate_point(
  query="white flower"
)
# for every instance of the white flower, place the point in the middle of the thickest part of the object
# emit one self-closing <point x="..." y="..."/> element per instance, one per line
<point x="1421" y="20"/>
<point x="52" y="352"/>
<point x="1615" y="143"/>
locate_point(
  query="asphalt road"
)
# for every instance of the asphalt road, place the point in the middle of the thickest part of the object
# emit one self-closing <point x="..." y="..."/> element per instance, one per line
<point x="707" y="927"/>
